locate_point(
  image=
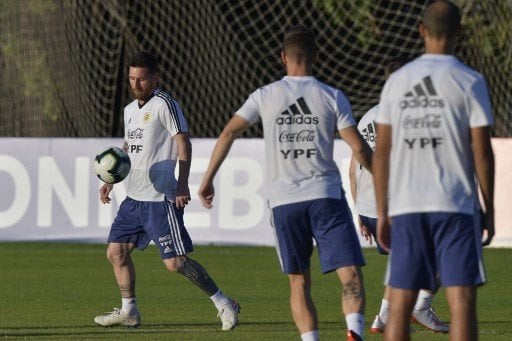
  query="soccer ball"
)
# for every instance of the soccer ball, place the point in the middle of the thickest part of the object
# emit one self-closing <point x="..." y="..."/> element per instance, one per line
<point x="112" y="165"/>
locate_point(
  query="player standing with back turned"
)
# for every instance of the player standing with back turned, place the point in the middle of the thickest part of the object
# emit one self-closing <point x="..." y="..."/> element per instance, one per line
<point x="433" y="130"/>
<point x="301" y="117"/>
<point x="363" y="193"/>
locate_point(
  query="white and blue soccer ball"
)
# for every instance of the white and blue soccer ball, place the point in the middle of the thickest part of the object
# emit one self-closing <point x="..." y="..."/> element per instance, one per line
<point x="112" y="165"/>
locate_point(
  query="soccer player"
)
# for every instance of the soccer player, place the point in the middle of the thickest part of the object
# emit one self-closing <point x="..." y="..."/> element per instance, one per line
<point x="156" y="138"/>
<point x="433" y="128"/>
<point x="361" y="185"/>
<point x="300" y="117"/>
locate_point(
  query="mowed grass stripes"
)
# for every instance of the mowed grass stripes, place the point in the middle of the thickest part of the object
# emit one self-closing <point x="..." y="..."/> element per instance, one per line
<point x="54" y="290"/>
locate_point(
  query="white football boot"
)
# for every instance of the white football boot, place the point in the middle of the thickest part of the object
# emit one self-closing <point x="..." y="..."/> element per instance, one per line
<point x="428" y="319"/>
<point x="228" y="314"/>
<point x="377" y="326"/>
<point x="117" y="317"/>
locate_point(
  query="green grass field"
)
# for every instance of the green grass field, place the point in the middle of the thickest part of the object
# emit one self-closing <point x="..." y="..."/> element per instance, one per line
<point x="54" y="290"/>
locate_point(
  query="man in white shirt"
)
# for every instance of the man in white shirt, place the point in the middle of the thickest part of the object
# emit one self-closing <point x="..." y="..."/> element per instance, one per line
<point x="156" y="139"/>
<point x="363" y="194"/>
<point x="300" y="117"/>
<point x="434" y="135"/>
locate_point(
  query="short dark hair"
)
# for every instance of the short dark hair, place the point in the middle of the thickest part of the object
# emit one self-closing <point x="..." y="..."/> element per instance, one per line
<point x="441" y="18"/>
<point x="393" y="65"/>
<point x="146" y="60"/>
<point x="300" y="42"/>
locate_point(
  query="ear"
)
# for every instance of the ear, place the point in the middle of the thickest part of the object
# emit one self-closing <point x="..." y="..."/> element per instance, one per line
<point x="283" y="57"/>
<point x="422" y="30"/>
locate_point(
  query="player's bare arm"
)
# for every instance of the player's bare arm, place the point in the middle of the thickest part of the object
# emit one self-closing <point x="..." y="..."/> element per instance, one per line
<point x="483" y="156"/>
<point x="360" y="149"/>
<point x="353" y="190"/>
<point x="233" y="129"/>
<point x="105" y="193"/>
<point x="184" y="159"/>
<point x="352" y="178"/>
<point x="380" y="179"/>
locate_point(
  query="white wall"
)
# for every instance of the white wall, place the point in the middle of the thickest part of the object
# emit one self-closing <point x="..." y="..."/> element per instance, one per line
<point x="49" y="192"/>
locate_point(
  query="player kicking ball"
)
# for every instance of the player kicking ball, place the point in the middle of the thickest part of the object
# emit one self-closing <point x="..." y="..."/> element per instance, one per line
<point x="157" y="141"/>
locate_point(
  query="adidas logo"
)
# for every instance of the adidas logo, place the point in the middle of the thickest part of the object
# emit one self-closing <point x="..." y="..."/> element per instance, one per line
<point x="300" y="114"/>
<point x="369" y="134"/>
<point x="419" y="96"/>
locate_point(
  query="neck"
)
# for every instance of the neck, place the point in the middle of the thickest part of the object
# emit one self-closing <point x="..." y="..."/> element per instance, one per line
<point x="439" y="46"/>
<point x="298" y="70"/>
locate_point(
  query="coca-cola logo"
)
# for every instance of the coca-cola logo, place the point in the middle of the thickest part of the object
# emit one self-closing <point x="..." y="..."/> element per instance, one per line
<point x="136" y="134"/>
<point x="426" y="121"/>
<point x="305" y="135"/>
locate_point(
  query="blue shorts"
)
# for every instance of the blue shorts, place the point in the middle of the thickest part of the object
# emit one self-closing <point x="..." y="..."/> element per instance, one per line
<point x="371" y="225"/>
<point x="426" y="244"/>
<point x="139" y="222"/>
<point x="329" y="222"/>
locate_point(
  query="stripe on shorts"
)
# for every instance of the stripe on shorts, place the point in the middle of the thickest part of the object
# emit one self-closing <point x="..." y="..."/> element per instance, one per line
<point x="174" y="228"/>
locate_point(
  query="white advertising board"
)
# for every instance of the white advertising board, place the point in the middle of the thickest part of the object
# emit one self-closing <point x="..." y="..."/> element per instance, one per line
<point x="50" y="192"/>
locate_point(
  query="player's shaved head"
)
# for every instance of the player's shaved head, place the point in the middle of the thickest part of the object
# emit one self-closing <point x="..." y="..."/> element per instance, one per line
<point x="441" y="19"/>
<point x="299" y="44"/>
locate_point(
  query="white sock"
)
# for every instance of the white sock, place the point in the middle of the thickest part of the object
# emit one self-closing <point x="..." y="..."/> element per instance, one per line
<point x="355" y="323"/>
<point x="424" y="300"/>
<point x="384" y="311"/>
<point x="310" y="336"/>
<point x="219" y="299"/>
<point x="129" y="306"/>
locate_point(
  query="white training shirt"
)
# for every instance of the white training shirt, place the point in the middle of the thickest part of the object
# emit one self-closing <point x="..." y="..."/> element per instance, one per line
<point x="300" y="117"/>
<point x="153" y="155"/>
<point x="365" y="204"/>
<point x="431" y="103"/>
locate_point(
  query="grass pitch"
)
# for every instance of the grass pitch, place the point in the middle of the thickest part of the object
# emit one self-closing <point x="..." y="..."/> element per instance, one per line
<point x="54" y="290"/>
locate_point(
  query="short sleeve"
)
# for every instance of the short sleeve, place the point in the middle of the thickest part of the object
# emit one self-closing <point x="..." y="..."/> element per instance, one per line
<point x="383" y="114"/>
<point x="480" y="112"/>
<point x="345" y="117"/>
<point x="250" y="110"/>
<point x="172" y="117"/>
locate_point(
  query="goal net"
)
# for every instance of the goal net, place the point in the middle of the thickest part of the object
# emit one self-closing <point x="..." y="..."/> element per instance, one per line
<point x="63" y="62"/>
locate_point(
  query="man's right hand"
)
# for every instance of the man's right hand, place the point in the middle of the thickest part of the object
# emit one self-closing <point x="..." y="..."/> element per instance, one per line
<point x="105" y="192"/>
<point x="206" y="193"/>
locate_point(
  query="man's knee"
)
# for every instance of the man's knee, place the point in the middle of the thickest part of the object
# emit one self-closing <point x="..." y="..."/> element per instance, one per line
<point x="117" y="254"/>
<point x="351" y="278"/>
<point x="174" y="264"/>
<point x="300" y="281"/>
<point x="350" y="274"/>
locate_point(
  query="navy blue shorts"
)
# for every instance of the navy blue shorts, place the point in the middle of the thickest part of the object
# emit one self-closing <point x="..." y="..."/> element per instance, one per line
<point x="371" y="225"/>
<point x="329" y="222"/>
<point x="424" y="244"/>
<point x="139" y="222"/>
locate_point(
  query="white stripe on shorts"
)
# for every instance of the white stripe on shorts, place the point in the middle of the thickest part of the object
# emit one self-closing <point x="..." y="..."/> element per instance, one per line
<point x="174" y="226"/>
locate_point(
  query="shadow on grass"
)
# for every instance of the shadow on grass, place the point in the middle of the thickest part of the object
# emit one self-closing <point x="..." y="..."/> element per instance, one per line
<point x="146" y="328"/>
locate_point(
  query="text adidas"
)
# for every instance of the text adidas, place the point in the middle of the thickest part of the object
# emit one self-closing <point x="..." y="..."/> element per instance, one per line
<point x="297" y="120"/>
<point x="424" y="102"/>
